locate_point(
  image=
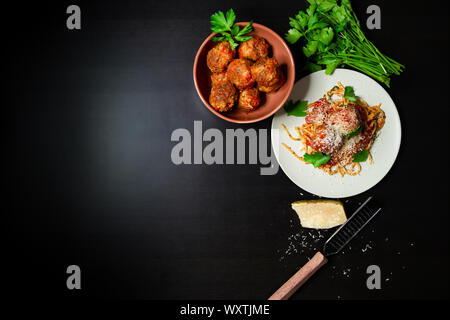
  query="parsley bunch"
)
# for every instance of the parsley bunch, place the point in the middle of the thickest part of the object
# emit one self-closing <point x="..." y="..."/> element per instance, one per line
<point x="296" y="108"/>
<point x="224" y="25"/>
<point x="333" y="37"/>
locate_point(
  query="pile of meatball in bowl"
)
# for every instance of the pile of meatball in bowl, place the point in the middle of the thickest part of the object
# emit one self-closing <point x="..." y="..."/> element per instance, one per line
<point x="237" y="80"/>
<point x="248" y="84"/>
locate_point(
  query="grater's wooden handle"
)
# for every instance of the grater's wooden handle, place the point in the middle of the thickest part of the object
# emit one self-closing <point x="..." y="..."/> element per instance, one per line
<point x="298" y="279"/>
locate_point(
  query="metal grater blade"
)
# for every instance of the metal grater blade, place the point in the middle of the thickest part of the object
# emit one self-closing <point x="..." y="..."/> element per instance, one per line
<point x="348" y="230"/>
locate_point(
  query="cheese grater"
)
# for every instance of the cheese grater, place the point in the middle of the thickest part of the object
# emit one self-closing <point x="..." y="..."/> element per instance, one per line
<point x="351" y="227"/>
<point x="333" y="245"/>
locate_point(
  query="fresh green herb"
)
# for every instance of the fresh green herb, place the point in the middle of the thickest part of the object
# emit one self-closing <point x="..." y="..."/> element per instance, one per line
<point x="360" y="156"/>
<point x="349" y="94"/>
<point x="316" y="159"/>
<point x="223" y="24"/>
<point x="312" y="67"/>
<point x="355" y="132"/>
<point x="333" y="37"/>
<point x="297" y="108"/>
<point x="293" y="35"/>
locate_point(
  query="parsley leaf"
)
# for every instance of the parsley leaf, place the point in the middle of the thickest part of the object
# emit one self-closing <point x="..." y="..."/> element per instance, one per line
<point x="349" y="94"/>
<point x="331" y="66"/>
<point x="220" y="23"/>
<point x="224" y="25"/>
<point x="302" y="19"/>
<point x="313" y="19"/>
<point x="360" y="156"/>
<point x="355" y="132"/>
<point x="311" y="9"/>
<point x="248" y="28"/>
<point x="295" y="24"/>
<point x="292" y="36"/>
<point x="340" y="15"/>
<point x="325" y="6"/>
<point x="297" y="108"/>
<point x="317" y="158"/>
<point x="215" y="39"/>
<point x="231" y="17"/>
<point x="243" y="38"/>
<point x="312" y="67"/>
<point x="310" y="48"/>
<point x="235" y="30"/>
<point x="317" y="25"/>
<point x="326" y="35"/>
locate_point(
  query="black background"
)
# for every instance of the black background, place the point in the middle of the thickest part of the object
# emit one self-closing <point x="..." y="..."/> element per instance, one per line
<point x="89" y="178"/>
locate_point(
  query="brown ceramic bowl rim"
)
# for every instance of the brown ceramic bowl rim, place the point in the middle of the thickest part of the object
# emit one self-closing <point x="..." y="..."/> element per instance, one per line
<point x="290" y="84"/>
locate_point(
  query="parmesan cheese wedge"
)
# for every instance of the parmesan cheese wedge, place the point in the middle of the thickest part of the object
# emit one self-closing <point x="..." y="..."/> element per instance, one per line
<point x="320" y="214"/>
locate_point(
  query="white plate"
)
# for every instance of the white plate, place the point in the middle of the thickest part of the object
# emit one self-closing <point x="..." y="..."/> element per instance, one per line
<point x="384" y="149"/>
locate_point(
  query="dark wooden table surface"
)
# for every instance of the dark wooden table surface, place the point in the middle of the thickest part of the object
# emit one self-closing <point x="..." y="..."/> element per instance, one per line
<point x="90" y="181"/>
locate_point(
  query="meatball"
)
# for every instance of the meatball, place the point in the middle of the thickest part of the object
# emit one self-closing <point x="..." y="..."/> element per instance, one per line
<point x="266" y="72"/>
<point x="239" y="73"/>
<point x="254" y="49"/>
<point x="319" y="111"/>
<point x="249" y="99"/>
<point x="274" y="87"/>
<point x="327" y="140"/>
<point x="220" y="56"/>
<point x="346" y="119"/>
<point x="217" y="77"/>
<point x="223" y="96"/>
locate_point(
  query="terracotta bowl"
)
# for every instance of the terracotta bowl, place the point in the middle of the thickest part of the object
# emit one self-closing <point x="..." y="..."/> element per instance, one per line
<point x="270" y="102"/>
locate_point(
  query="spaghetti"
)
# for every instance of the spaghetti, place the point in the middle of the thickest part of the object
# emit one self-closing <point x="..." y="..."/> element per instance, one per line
<point x="338" y="127"/>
